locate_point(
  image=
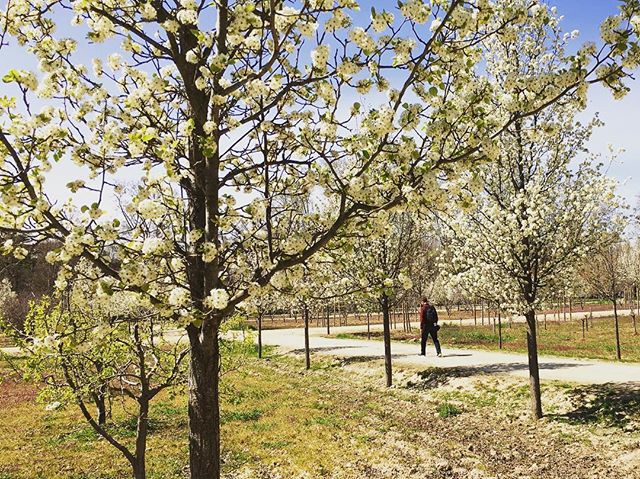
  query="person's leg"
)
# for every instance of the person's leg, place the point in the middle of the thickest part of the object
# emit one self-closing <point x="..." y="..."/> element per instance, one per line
<point x="434" y="336"/>
<point x="423" y="341"/>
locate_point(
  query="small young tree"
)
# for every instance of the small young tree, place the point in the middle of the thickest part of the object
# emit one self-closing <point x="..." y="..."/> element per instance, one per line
<point x="423" y="267"/>
<point x="92" y="351"/>
<point x="258" y="307"/>
<point x="606" y="272"/>
<point x="632" y="268"/>
<point x="379" y="264"/>
<point x="320" y="283"/>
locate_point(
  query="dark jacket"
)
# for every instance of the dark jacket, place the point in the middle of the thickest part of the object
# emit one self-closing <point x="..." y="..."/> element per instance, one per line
<point x="428" y="316"/>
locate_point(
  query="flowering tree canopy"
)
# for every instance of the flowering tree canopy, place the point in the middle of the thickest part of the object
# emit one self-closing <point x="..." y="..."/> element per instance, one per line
<point x="205" y="101"/>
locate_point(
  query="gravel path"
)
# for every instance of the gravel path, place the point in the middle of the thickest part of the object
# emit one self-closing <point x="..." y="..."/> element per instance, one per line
<point x="585" y="371"/>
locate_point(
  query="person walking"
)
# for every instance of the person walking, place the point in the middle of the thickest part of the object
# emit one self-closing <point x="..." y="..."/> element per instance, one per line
<point x="429" y="326"/>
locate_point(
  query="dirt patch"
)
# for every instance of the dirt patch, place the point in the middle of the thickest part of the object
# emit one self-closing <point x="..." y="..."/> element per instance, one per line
<point x="518" y="449"/>
<point x="492" y="435"/>
<point x="14" y="392"/>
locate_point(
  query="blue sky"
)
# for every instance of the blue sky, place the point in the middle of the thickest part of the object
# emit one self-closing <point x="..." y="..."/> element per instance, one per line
<point x="619" y="130"/>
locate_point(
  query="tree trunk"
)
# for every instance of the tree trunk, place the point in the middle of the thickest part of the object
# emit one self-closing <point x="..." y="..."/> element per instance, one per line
<point x="101" y="406"/>
<point x="404" y="318"/>
<point x="139" y="468"/>
<point x="260" y="335"/>
<point x="204" y="406"/>
<point x="387" y="339"/>
<point x="635" y="328"/>
<point x="328" y="320"/>
<point x="475" y="314"/>
<point x="368" y="325"/>
<point x="534" y="372"/>
<point x="499" y="330"/>
<point x="615" y="319"/>
<point x="493" y="323"/>
<point x="307" y="354"/>
<point x="570" y="308"/>
<point x="99" y="398"/>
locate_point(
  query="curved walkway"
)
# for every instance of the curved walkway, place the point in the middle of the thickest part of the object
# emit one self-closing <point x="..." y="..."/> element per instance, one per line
<point x="551" y="368"/>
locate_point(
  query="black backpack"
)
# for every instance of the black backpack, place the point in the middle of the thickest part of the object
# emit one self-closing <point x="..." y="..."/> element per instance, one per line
<point x="430" y="316"/>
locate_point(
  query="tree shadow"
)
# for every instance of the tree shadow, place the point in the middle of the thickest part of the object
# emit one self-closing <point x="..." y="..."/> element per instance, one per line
<point x="616" y="405"/>
<point x="440" y="376"/>
<point x="347" y="360"/>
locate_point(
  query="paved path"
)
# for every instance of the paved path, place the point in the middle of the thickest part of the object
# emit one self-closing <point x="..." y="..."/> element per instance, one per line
<point x="551" y="368"/>
<point x="12" y="351"/>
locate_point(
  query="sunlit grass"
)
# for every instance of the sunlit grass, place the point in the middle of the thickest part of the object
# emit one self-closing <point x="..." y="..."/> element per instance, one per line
<point x="270" y="410"/>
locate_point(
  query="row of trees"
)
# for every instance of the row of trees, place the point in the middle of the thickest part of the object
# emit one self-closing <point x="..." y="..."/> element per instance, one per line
<point x="255" y="166"/>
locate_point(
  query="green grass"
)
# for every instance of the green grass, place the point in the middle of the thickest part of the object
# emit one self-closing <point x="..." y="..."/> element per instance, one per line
<point x="268" y="409"/>
<point x="446" y="410"/>
<point x="563" y="338"/>
<point x="251" y="415"/>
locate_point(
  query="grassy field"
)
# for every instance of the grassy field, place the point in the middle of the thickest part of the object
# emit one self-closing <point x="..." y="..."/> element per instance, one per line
<point x="563" y="338"/>
<point x="338" y="421"/>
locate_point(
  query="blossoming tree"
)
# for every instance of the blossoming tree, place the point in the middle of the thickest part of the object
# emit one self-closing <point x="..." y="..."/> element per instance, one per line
<point x="322" y="281"/>
<point x="633" y="271"/>
<point x="224" y="110"/>
<point x="607" y="274"/>
<point x="378" y="263"/>
<point x="6" y="293"/>
<point x="531" y="216"/>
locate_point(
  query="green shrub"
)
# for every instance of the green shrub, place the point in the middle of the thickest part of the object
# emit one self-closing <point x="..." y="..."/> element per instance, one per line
<point x="446" y="410"/>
